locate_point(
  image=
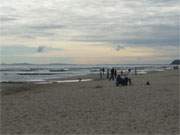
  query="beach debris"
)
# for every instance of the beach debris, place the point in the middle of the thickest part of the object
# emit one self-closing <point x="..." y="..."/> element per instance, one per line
<point x="147" y="83"/>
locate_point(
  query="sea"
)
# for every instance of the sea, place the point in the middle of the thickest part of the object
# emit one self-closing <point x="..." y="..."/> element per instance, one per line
<point x="43" y="72"/>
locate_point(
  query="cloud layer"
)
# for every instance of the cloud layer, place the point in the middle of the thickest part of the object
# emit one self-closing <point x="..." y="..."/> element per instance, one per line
<point x="115" y="23"/>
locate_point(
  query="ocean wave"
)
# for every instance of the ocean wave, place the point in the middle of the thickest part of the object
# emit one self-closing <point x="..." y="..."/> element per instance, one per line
<point x="35" y="73"/>
<point x="58" y="70"/>
<point x="19" y="69"/>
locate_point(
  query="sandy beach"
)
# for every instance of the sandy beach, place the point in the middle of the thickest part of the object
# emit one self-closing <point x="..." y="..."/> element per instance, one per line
<point x="94" y="107"/>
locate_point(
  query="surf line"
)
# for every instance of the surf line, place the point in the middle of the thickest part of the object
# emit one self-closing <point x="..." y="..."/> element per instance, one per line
<point x="63" y="81"/>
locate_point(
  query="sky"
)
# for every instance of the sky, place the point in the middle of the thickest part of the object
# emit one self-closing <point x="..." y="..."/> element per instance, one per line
<point x="89" y="31"/>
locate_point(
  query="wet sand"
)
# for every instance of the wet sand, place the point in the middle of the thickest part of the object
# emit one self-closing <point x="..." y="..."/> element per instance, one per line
<point x="94" y="107"/>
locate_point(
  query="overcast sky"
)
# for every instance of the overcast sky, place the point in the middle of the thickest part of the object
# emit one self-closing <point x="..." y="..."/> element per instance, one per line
<point x="89" y="31"/>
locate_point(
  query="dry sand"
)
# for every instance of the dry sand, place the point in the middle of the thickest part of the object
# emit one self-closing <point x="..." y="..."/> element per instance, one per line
<point x="96" y="107"/>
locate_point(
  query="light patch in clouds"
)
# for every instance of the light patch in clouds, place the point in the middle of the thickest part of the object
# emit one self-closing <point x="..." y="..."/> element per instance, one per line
<point x="90" y="54"/>
<point x="104" y="54"/>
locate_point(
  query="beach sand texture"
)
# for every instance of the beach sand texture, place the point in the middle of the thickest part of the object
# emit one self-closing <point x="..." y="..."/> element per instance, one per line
<point x="95" y="107"/>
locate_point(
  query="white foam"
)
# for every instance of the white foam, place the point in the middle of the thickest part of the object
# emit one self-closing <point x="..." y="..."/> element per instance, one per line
<point x="77" y="80"/>
<point x="63" y="81"/>
<point x="45" y="82"/>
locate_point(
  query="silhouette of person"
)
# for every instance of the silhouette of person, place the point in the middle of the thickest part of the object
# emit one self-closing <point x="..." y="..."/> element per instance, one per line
<point x="103" y="70"/>
<point x="107" y="73"/>
<point x="129" y="70"/>
<point x="118" y="80"/>
<point x="100" y="71"/>
<point x="112" y="74"/>
<point x="115" y="73"/>
<point x="126" y="81"/>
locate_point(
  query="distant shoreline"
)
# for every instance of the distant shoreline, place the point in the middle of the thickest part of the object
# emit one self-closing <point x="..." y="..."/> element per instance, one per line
<point x="79" y="64"/>
<point x="78" y="78"/>
<point x="95" y="76"/>
<point x="46" y="73"/>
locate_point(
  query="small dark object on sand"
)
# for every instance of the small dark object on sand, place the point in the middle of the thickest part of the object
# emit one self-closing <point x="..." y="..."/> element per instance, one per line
<point x="147" y="83"/>
<point x="175" y="67"/>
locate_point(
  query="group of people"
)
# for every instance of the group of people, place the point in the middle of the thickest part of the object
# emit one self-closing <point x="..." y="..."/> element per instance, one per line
<point x="121" y="79"/>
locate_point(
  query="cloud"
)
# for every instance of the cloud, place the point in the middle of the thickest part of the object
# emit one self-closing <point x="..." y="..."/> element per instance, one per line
<point x="133" y="23"/>
<point x="21" y="50"/>
<point x="47" y="26"/>
<point x="41" y="49"/>
<point x="118" y="48"/>
<point x="7" y="19"/>
<point x="89" y="18"/>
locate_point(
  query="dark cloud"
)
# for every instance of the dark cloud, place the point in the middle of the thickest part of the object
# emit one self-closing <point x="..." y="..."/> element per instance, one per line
<point x="41" y="49"/>
<point x="151" y="42"/>
<point x="138" y="23"/>
<point x="143" y="35"/>
<point x="119" y="47"/>
<point x="7" y="19"/>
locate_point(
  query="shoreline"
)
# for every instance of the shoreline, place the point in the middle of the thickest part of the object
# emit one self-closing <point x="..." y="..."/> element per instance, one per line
<point x="68" y="80"/>
<point x="38" y="76"/>
<point x="77" y="77"/>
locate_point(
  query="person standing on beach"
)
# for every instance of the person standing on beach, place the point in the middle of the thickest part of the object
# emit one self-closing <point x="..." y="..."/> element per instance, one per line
<point x="107" y="73"/>
<point x="112" y="74"/>
<point x="129" y="70"/>
<point x="100" y="72"/>
<point x="115" y="73"/>
<point x="118" y="80"/>
<point x="103" y="70"/>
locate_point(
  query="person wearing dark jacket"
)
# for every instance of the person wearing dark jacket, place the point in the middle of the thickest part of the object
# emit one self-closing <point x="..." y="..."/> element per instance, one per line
<point x="100" y="73"/>
<point x="112" y="74"/>
<point x="126" y="81"/>
<point x="118" y="80"/>
<point x="107" y="73"/>
<point x="115" y="73"/>
<point x="103" y="70"/>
